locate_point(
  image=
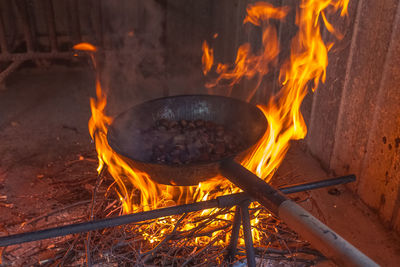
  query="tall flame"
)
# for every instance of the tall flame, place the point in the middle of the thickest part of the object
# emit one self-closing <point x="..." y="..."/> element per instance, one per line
<point x="208" y="58"/>
<point x="305" y="67"/>
<point x="307" y="63"/>
<point x="248" y="65"/>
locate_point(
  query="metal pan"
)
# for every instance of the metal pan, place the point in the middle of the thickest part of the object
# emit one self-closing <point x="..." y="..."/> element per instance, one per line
<point x="126" y="137"/>
<point x="126" y="134"/>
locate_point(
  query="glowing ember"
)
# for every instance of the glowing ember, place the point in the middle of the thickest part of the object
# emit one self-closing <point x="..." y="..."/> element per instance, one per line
<point x="306" y="65"/>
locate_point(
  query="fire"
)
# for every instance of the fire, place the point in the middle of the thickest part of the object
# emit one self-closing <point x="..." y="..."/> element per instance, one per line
<point x="305" y="67"/>
<point x="85" y="47"/>
<point x="208" y="58"/>
<point x="308" y="61"/>
<point x="248" y="65"/>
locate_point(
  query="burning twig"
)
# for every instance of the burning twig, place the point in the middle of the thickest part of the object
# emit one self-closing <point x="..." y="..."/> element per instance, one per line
<point x="64" y="257"/>
<point x="73" y="205"/>
<point x="166" y="239"/>
<point x="201" y="250"/>
<point x="98" y="183"/>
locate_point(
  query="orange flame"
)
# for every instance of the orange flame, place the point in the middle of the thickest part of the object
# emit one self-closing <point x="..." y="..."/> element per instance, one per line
<point x="208" y="58"/>
<point x="249" y="65"/>
<point x="85" y="47"/>
<point x="307" y="63"/>
<point x="261" y="12"/>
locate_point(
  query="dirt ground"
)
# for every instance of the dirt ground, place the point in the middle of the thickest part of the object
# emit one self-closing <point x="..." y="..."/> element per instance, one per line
<point x="48" y="162"/>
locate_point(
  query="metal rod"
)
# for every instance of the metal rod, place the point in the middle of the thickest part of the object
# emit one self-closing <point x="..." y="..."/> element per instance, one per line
<point x="38" y="55"/>
<point x="21" y="13"/>
<point x="105" y="223"/>
<point x="75" y="22"/>
<point x="31" y="19"/>
<point x="232" y="247"/>
<point x="3" y="39"/>
<point x="13" y="66"/>
<point x="98" y="23"/>
<point x="304" y="223"/>
<point x="319" y="184"/>
<point x="254" y="186"/>
<point x="51" y="25"/>
<point x="220" y="202"/>
<point x="248" y="237"/>
<point x="8" y="12"/>
<point x="331" y="244"/>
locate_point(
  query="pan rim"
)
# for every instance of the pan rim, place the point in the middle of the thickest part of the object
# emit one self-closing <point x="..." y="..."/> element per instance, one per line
<point x="192" y="164"/>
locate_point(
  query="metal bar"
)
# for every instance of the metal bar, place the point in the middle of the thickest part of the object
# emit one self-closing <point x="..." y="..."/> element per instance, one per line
<point x="220" y="202"/>
<point x="8" y="12"/>
<point x="75" y="29"/>
<point x="318" y="184"/>
<point x="105" y="223"/>
<point x="234" y="199"/>
<point x="13" y="66"/>
<point x="254" y="186"/>
<point x="21" y="14"/>
<point x="98" y="23"/>
<point x="51" y="24"/>
<point x="38" y="55"/>
<point x="31" y="20"/>
<point x="248" y="237"/>
<point x="331" y="244"/>
<point x="3" y="39"/>
<point x="232" y="247"/>
<point x="304" y="223"/>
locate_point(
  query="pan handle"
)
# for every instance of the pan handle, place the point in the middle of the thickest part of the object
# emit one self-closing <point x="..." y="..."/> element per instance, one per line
<point x="318" y="234"/>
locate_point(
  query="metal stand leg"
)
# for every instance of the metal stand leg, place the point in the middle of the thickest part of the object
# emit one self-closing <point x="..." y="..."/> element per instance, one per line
<point x="248" y="238"/>
<point x="230" y="256"/>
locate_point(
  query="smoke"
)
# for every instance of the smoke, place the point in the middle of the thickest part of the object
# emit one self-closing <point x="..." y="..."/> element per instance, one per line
<point x="133" y="66"/>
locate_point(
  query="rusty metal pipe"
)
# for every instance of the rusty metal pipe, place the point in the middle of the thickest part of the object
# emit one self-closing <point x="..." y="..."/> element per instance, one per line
<point x="3" y="39"/>
<point x="51" y="25"/>
<point x="331" y="244"/>
<point x="248" y="238"/>
<point x="22" y="16"/>
<point x="318" y="184"/>
<point x="75" y="27"/>
<point x="105" y="223"/>
<point x="12" y="67"/>
<point x="232" y="247"/>
<point x="38" y="55"/>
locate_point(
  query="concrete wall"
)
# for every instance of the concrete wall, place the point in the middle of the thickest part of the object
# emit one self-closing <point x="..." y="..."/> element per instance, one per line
<point x="355" y="117"/>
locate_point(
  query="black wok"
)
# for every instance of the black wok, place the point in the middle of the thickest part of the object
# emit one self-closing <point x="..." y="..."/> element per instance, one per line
<point x="126" y="135"/>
